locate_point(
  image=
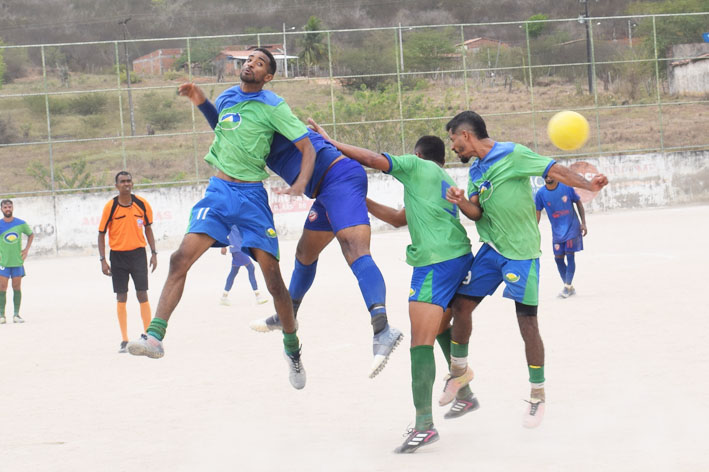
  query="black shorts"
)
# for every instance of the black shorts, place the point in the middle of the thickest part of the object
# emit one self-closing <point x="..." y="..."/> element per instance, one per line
<point x="129" y="263"/>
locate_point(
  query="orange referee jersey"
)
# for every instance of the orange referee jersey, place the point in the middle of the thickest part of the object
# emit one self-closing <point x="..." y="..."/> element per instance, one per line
<point x="126" y="227"/>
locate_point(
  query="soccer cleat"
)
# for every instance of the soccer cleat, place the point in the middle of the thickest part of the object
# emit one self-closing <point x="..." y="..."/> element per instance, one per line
<point x="123" y="349"/>
<point x="534" y="414"/>
<point x="572" y="291"/>
<point x="2" y="320"/>
<point x="383" y="345"/>
<point x="297" y="371"/>
<point x="416" y="439"/>
<point x="260" y="299"/>
<point x="17" y="319"/>
<point x="272" y="323"/>
<point x="224" y="301"/>
<point x="148" y="345"/>
<point x="453" y="384"/>
<point x="564" y="293"/>
<point x="462" y="406"/>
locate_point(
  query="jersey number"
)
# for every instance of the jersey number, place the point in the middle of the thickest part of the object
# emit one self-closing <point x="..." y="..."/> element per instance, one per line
<point x="202" y="213"/>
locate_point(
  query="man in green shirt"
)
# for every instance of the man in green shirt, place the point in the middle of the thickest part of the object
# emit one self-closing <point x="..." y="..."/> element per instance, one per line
<point x="12" y="258"/>
<point x="499" y="199"/>
<point x="248" y="118"/>
<point x="439" y="253"/>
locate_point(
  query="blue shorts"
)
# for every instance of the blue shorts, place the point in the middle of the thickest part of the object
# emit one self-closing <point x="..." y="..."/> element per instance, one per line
<point x="234" y="203"/>
<point x="570" y="246"/>
<point x="490" y="269"/>
<point x="437" y="283"/>
<point x="340" y="202"/>
<point x="239" y="259"/>
<point x="11" y="272"/>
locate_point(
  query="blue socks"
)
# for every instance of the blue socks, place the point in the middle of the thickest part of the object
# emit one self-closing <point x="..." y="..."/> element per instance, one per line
<point x="561" y="265"/>
<point x="300" y="282"/>
<point x="371" y="284"/>
<point x="570" y="268"/>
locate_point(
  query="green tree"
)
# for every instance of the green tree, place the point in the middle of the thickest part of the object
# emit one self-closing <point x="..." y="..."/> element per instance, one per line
<point x="314" y="52"/>
<point x="671" y="30"/>
<point x="202" y="54"/>
<point x="536" y="24"/>
<point x="429" y="50"/>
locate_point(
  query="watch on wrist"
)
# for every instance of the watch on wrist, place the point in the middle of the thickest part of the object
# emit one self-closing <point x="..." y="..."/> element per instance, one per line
<point x="102" y="258"/>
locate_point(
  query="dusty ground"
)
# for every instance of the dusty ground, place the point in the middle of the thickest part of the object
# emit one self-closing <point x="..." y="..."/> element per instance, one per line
<point x="626" y="369"/>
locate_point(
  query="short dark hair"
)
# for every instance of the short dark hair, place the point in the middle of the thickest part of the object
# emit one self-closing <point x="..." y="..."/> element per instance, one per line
<point x="123" y="172"/>
<point x="6" y="201"/>
<point x="271" y="60"/>
<point x="470" y="118"/>
<point x="431" y="148"/>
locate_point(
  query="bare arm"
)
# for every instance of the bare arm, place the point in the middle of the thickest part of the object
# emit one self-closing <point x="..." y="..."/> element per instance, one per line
<point x="567" y="176"/>
<point x="582" y="215"/>
<point x="539" y="215"/>
<point x="365" y="157"/>
<point x="154" y="253"/>
<point x="26" y="250"/>
<point x="387" y="214"/>
<point x="105" y="268"/>
<point x="470" y="208"/>
<point x="307" y="165"/>
<point x="193" y="92"/>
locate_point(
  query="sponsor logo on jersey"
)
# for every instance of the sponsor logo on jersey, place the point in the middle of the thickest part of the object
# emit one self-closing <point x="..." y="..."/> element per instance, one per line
<point x="230" y="120"/>
<point x="485" y="191"/>
<point x="271" y="233"/>
<point x="312" y="216"/>
<point x="11" y="237"/>
<point x="564" y="199"/>
<point x="512" y="277"/>
<point x="140" y="222"/>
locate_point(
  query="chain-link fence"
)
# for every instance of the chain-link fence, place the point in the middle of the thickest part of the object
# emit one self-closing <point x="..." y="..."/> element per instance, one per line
<point x="72" y="115"/>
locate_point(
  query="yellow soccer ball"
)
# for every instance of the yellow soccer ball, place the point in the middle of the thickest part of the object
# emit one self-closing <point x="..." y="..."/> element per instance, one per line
<point x="568" y="130"/>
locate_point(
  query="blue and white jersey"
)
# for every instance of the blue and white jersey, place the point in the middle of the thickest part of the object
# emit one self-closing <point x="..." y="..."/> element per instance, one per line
<point x="559" y="205"/>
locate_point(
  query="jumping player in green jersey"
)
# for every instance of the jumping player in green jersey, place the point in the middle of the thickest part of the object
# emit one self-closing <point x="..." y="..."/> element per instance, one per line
<point x="499" y="199"/>
<point x="12" y="258"/>
<point x="439" y="253"/>
<point x="248" y="118"/>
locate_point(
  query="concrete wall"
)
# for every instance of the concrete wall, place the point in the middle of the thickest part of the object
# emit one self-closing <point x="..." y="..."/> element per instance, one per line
<point x="67" y="224"/>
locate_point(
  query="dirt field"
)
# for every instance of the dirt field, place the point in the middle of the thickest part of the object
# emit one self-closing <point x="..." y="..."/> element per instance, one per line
<point x="626" y="369"/>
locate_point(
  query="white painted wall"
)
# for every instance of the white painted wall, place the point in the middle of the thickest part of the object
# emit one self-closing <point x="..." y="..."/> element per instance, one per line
<point x="69" y="223"/>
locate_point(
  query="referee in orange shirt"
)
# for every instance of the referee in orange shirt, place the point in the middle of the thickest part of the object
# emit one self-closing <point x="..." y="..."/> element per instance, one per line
<point x="125" y="218"/>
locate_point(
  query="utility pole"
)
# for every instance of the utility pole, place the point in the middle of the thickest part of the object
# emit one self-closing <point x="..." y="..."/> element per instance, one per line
<point x="130" y="95"/>
<point x="588" y="45"/>
<point x="285" y="53"/>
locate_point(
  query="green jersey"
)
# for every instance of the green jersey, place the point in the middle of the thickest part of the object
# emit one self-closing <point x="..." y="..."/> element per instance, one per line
<point x="501" y="181"/>
<point x="434" y="225"/>
<point x="11" y="242"/>
<point x="243" y="135"/>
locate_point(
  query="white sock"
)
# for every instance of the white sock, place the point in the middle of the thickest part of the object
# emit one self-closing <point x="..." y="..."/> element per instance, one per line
<point x="458" y="365"/>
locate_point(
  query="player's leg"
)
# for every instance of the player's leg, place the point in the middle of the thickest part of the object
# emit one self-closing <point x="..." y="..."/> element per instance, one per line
<point x="120" y="274"/>
<point x="284" y="309"/>
<point x="310" y="245"/>
<point x="572" y="247"/>
<point x="260" y="299"/>
<point x="192" y="247"/>
<point x="559" y="252"/>
<point x="230" y="281"/>
<point x="4" y="282"/>
<point x="425" y="322"/>
<point x="522" y="285"/>
<point x="18" y="274"/>
<point x="139" y="274"/>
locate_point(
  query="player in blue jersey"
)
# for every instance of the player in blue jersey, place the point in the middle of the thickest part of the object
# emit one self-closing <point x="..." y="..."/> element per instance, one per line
<point x="248" y="117"/>
<point x="339" y="187"/>
<point x="239" y="259"/>
<point x="567" y="232"/>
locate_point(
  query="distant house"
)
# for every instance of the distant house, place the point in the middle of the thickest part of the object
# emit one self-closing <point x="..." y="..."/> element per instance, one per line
<point x="157" y="62"/>
<point x="689" y="76"/>
<point x="476" y="44"/>
<point x="233" y="57"/>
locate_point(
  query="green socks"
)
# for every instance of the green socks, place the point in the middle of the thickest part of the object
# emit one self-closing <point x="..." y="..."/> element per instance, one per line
<point x="3" y="299"/>
<point x="423" y="374"/>
<point x="157" y="328"/>
<point x="291" y="342"/>
<point x="536" y="374"/>
<point x="444" y="341"/>
<point x="16" y="300"/>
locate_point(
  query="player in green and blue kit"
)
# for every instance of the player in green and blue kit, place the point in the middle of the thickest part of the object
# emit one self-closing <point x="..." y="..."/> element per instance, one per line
<point x="339" y="187"/>
<point x="567" y="233"/>
<point x="12" y="258"/>
<point x="248" y="118"/>
<point x="440" y="255"/>
<point x="499" y="199"/>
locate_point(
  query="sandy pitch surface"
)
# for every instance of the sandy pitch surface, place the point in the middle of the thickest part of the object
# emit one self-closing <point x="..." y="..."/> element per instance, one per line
<point x="627" y="363"/>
